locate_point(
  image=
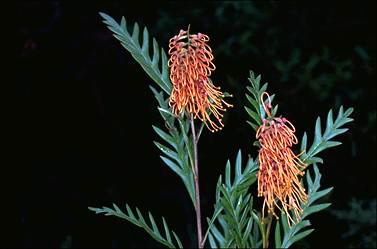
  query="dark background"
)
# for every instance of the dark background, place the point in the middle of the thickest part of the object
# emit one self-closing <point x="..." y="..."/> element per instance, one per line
<point x="83" y="114"/>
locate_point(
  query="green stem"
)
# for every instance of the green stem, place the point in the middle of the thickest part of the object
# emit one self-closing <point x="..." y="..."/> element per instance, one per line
<point x="196" y="179"/>
<point x="187" y="145"/>
<point x="267" y="232"/>
<point x="200" y="132"/>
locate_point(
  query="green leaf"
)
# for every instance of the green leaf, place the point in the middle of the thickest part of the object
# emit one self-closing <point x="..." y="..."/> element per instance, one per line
<point x="140" y="53"/>
<point x="312" y="160"/>
<point x="165" y="136"/>
<point x="255" y="127"/>
<point x="166" y="111"/>
<point x="130" y="213"/>
<point x="173" y="166"/>
<point x="156" y="54"/>
<point x="304" y="141"/>
<point x="140" y="222"/>
<point x="263" y="88"/>
<point x="253" y="102"/>
<point x="135" y="35"/>
<point x="247" y="231"/>
<point x="227" y="174"/>
<point x="277" y="235"/>
<point x="217" y="234"/>
<point x="211" y="221"/>
<point x="234" y="217"/>
<point x="300" y="236"/>
<point x="318" y="194"/>
<point x="314" y="209"/>
<point x="170" y="153"/>
<point x="145" y="46"/>
<point x="254" y="115"/>
<point x="177" y="139"/>
<point x="238" y="167"/>
<point x="154" y="226"/>
<point x="274" y="110"/>
<point x="257" y="112"/>
<point x="177" y="239"/>
<point x="167" y="233"/>
<point x="284" y="222"/>
<point x="292" y="234"/>
<point x="212" y="241"/>
<point x="318" y="133"/>
<point x="322" y="142"/>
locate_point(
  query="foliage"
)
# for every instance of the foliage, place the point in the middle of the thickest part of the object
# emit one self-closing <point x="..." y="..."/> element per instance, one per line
<point x="235" y="203"/>
<point x="176" y="137"/>
<point x="140" y="222"/>
<point x="235" y="221"/>
<point x="294" y="233"/>
<point x="141" y="52"/>
<point x="322" y="142"/>
<point x="258" y="114"/>
<point x="239" y="212"/>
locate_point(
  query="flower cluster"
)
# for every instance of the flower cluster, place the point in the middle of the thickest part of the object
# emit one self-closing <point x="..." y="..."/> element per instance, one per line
<point x="190" y="66"/>
<point x="279" y="167"/>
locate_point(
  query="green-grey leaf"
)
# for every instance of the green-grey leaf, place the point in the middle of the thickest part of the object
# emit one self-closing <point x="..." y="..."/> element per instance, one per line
<point x="135" y="35"/>
<point x="247" y="231"/>
<point x="227" y="174"/>
<point x="167" y="233"/>
<point x="139" y="53"/>
<point x="238" y="166"/>
<point x="304" y="142"/>
<point x="165" y="136"/>
<point x="318" y="194"/>
<point x="314" y="209"/>
<point x="140" y="222"/>
<point x="177" y="239"/>
<point x="145" y="46"/>
<point x="321" y="142"/>
<point x="154" y="226"/>
<point x="277" y="235"/>
<point x="173" y="166"/>
<point x="212" y="241"/>
<point x="300" y="236"/>
<point x="254" y="115"/>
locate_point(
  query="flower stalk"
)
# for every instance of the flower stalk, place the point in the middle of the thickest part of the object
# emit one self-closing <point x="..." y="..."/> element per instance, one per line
<point x="195" y="95"/>
<point x="196" y="180"/>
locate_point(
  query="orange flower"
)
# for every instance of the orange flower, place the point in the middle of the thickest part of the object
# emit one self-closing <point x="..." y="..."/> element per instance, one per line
<point x="279" y="167"/>
<point x="190" y="67"/>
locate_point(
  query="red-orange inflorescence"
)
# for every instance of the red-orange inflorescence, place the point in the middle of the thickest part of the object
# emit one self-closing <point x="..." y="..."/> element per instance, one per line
<point x="190" y="67"/>
<point x="279" y="167"/>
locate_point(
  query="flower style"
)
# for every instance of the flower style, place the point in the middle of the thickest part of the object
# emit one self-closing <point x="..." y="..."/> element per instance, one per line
<point x="190" y="67"/>
<point x="279" y="167"/>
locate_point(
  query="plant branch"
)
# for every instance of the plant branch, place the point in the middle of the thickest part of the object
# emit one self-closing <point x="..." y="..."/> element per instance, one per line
<point x="187" y="146"/>
<point x="196" y="179"/>
<point x="268" y="230"/>
<point x="200" y="132"/>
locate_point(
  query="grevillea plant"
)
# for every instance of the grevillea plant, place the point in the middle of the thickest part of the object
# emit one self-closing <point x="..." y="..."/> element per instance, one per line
<point x="188" y="101"/>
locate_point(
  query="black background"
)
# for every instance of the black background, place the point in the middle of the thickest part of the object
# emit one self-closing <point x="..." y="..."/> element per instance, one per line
<point x="83" y="114"/>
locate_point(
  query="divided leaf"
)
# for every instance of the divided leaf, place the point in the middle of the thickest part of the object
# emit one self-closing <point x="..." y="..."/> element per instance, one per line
<point x="257" y="113"/>
<point x="140" y="222"/>
<point x="232" y="206"/>
<point x="296" y="232"/>
<point x="322" y="141"/>
<point x="141" y="52"/>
